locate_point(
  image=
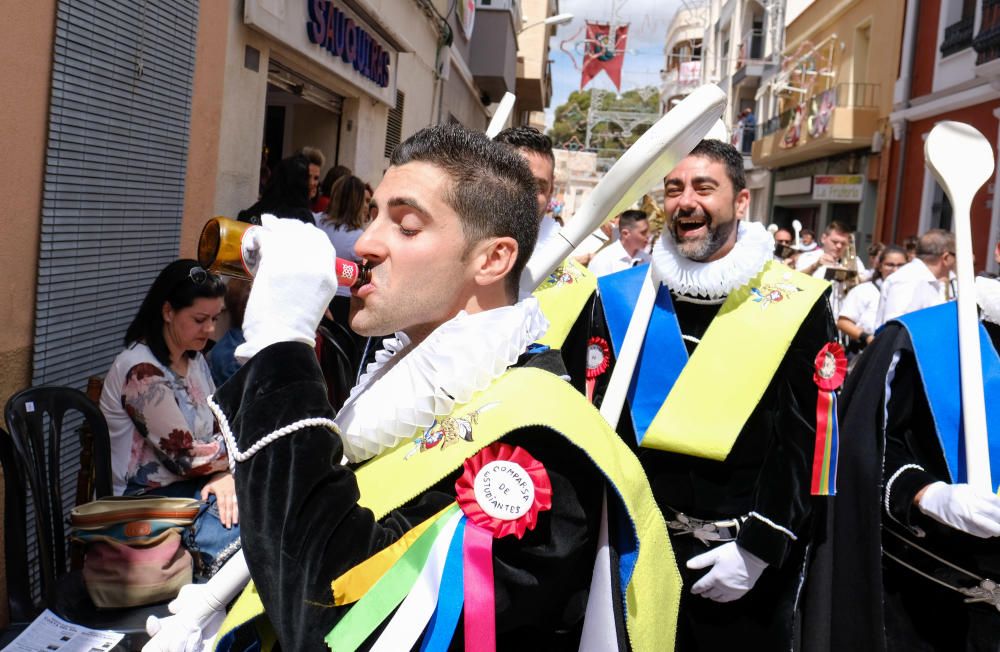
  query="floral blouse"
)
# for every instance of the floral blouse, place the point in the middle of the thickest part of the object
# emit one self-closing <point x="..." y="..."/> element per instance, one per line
<point x="162" y="430"/>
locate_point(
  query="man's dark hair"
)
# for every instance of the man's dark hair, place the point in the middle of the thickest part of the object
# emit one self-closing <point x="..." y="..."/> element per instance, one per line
<point x="808" y="232"/>
<point x="935" y="243"/>
<point x="492" y="188"/>
<point x="527" y="138"/>
<point x="839" y="227"/>
<point x="628" y="219"/>
<point x="179" y="286"/>
<point x="720" y="152"/>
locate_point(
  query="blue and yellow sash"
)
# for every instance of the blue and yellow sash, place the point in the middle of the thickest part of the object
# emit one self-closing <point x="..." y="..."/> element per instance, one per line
<point x="934" y="334"/>
<point x="647" y="571"/>
<point x="736" y="358"/>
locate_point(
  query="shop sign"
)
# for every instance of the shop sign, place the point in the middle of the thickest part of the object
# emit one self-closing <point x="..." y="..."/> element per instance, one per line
<point x="330" y="28"/>
<point x="796" y="186"/>
<point x="330" y="34"/>
<point x="838" y="187"/>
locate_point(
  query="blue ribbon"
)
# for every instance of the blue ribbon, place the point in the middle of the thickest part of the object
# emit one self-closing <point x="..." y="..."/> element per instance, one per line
<point x="662" y="357"/>
<point x="934" y="334"/>
<point x="451" y="597"/>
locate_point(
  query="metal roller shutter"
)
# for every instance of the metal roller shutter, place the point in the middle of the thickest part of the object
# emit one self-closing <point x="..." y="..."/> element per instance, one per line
<point x="114" y="178"/>
<point x="116" y="156"/>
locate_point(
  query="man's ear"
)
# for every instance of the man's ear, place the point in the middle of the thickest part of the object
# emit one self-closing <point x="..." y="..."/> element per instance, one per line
<point x="742" y="203"/>
<point x="493" y="260"/>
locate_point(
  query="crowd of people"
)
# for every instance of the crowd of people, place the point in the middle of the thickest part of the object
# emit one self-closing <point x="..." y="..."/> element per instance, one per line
<point x="463" y="480"/>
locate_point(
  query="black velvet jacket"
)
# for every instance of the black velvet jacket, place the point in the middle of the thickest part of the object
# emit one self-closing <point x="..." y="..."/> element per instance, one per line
<point x="302" y="526"/>
<point x="768" y="471"/>
<point x="856" y="599"/>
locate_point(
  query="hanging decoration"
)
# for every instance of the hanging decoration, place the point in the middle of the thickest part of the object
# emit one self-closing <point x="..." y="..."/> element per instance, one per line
<point x="605" y="51"/>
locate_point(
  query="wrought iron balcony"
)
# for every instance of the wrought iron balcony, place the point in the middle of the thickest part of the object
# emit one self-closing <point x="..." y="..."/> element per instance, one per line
<point x="957" y="37"/>
<point x="987" y="42"/>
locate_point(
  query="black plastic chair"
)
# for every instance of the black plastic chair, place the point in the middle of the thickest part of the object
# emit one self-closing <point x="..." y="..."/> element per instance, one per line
<point x="338" y="359"/>
<point x="31" y="458"/>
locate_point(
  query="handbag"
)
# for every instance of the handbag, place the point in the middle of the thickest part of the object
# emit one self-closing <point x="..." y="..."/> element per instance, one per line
<point x="134" y="553"/>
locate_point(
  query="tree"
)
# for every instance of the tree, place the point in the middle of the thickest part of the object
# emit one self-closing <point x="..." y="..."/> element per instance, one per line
<point x="607" y="138"/>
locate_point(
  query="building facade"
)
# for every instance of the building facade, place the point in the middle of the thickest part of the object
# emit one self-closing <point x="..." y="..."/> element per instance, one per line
<point x="957" y="79"/>
<point x="826" y="113"/>
<point x="137" y="121"/>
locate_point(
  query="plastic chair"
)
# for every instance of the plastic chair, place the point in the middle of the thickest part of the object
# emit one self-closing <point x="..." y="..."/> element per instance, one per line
<point x="31" y="458"/>
<point x="338" y="359"/>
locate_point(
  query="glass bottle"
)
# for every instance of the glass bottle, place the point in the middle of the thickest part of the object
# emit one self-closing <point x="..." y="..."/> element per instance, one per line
<point x="224" y="248"/>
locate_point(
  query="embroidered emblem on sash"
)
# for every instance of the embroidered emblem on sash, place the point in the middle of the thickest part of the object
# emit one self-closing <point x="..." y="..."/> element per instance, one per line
<point x="448" y="431"/>
<point x="563" y="275"/>
<point x="765" y="295"/>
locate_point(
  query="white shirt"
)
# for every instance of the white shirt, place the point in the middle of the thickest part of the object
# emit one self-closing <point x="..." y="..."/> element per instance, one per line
<point x="614" y="258"/>
<point x="861" y="305"/>
<point x="806" y="259"/>
<point x="912" y="287"/>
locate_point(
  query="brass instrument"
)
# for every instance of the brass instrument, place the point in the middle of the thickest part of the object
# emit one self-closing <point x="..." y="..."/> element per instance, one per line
<point x="847" y="271"/>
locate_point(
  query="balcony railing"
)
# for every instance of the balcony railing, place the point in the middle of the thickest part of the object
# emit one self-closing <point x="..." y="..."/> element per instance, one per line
<point x="957" y="37"/>
<point x="857" y="95"/>
<point x="987" y="42"/>
<point x="751" y="47"/>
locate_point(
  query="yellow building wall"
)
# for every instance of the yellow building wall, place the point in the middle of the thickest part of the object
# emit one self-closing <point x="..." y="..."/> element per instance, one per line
<point x="874" y="60"/>
<point x="26" y="44"/>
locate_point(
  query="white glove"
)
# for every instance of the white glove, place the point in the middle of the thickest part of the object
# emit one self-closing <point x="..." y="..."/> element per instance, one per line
<point x="734" y="572"/>
<point x="294" y="284"/>
<point x="199" y="610"/>
<point x="962" y="507"/>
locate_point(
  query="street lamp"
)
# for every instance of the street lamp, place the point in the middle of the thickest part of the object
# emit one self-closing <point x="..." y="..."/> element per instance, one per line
<point x="558" y="19"/>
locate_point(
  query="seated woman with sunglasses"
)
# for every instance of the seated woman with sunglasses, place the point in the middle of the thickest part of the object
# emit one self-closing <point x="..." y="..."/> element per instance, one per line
<point x="164" y="438"/>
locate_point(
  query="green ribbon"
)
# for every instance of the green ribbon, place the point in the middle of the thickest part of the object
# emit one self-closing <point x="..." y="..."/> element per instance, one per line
<point x="376" y="605"/>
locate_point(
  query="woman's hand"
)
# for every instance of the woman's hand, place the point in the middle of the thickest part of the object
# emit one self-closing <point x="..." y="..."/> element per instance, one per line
<point x="224" y="488"/>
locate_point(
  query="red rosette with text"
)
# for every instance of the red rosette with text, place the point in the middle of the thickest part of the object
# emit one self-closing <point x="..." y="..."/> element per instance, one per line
<point x="503" y="489"/>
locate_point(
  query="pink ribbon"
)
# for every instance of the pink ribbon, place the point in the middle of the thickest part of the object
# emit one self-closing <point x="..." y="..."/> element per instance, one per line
<point x="480" y="611"/>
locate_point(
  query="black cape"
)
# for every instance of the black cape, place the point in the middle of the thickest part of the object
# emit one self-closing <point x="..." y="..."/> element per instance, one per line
<point x="851" y="599"/>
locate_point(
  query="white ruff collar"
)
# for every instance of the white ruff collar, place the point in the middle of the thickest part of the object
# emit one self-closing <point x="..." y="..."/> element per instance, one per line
<point x="716" y="279"/>
<point x="988" y="297"/>
<point x="407" y="387"/>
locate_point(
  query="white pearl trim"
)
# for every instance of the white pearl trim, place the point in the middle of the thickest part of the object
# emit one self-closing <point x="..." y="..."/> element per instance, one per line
<point x="236" y="455"/>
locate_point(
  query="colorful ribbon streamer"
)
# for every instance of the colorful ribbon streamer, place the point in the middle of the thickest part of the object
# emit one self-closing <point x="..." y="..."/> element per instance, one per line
<point x="376" y="605"/>
<point x="480" y="607"/>
<point x="829" y="374"/>
<point x="824" y="472"/>
<point x="441" y="629"/>
<point x="413" y="614"/>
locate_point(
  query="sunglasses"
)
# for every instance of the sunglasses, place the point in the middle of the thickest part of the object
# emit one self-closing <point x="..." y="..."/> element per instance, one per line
<point x="198" y="275"/>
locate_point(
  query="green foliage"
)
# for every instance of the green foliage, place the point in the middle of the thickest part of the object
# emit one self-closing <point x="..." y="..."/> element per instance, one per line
<point x="607" y="138"/>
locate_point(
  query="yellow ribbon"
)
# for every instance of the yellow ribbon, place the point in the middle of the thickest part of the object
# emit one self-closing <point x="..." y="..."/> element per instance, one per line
<point x="353" y="584"/>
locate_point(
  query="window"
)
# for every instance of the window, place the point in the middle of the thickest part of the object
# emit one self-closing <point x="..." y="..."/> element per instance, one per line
<point x="394" y="126"/>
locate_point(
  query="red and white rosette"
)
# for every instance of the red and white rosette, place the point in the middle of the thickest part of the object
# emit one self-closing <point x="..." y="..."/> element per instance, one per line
<point x="598" y="359"/>
<point x="501" y="491"/>
<point x="829" y="373"/>
<point x="830" y="367"/>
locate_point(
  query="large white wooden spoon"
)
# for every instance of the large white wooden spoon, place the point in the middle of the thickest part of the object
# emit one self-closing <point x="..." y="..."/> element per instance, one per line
<point x="961" y="159"/>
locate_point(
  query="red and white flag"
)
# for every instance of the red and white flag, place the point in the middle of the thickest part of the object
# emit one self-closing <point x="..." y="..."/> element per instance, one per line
<point x="603" y="53"/>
